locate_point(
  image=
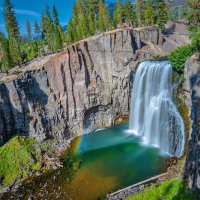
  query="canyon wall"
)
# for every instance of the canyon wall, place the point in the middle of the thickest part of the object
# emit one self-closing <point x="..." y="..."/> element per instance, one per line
<point x="192" y="91"/>
<point x="84" y="87"/>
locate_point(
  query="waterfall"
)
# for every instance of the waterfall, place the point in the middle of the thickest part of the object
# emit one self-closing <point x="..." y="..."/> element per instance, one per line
<point x="154" y="115"/>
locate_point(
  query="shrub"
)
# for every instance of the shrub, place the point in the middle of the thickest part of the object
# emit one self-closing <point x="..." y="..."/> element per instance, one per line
<point x="17" y="158"/>
<point x="178" y="57"/>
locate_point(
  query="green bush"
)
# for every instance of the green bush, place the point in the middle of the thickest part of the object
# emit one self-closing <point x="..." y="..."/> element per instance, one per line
<point x="178" y="57"/>
<point x="17" y="158"/>
<point x="169" y="190"/>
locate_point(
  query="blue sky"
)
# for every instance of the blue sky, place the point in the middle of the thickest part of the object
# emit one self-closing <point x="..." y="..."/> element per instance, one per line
<point x="32" y="9"/>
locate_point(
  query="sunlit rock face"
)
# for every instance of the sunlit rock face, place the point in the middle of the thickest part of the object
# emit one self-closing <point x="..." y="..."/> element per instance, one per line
<point x="192" y="91"/>
<point x="80" y="89"/>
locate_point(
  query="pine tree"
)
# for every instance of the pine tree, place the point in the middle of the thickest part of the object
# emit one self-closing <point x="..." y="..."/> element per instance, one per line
<point x="13" y="32"/>
<point x="140" y="11"/>
<point x="37" y="27"/>
<point x="48" y="28"/>
<point x="71" y="32"/>
<point x="4" y="46"/>
<point x="149" y="13"/>
<point x="129" y="13"/>
<point x="91" y="10"/>
<point x="55" y="16"/>
<point x="58" y="30"/>
<point x="82" y="20"/>
<point x="28" y="29"/>
<point x="118" y="13"/>
<point x="162" y="9"/>
<point x="104" y="18"/>
<point x="194" y="15"/>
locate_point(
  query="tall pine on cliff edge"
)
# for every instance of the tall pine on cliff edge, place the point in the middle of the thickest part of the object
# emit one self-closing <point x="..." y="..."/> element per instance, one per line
<point x="4" y="46"/>
<point x="58" y="30"/>
<point x="13" y="32"/>
<point x="140" y="12"/>
<point x="48" y="29"/>
<point x="118" y="13"/>
<point x="162" y="9"/>
<point x="37" y="27"/>
<point x="104" y="19"/>
<point x="28" y="29"/>
<point x="91" y="7"/>
<point x="129" y="13"/>
<point x="149" y="13"/>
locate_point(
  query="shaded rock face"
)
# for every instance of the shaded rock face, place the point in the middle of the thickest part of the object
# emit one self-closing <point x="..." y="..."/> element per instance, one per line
<point x="78" y="90"/>
<point x="192" y="91"/>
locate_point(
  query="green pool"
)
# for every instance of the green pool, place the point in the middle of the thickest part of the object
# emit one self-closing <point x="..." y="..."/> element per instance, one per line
<point x="97" y="164"/>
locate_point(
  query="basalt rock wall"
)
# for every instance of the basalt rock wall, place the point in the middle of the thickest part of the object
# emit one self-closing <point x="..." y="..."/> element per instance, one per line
<point x="192" y="91"/>
<point x="79" y="89"/>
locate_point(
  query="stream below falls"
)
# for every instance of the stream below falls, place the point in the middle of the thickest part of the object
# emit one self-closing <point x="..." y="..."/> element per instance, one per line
<point x="96" y="164"/>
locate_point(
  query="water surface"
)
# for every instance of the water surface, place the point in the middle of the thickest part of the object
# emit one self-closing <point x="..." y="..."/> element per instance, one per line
<point x="97" y="164"/>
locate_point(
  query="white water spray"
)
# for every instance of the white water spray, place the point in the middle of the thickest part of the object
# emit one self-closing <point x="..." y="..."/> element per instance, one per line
<point x="154" y="115"/>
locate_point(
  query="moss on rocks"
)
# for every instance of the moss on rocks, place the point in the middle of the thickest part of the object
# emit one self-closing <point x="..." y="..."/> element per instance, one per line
<point x="22" y="157"/>
<point x="18" y="157"/>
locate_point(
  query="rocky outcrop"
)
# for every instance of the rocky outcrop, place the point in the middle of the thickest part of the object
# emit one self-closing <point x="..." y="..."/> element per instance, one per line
<point x="82" y="88"/>
<point x="192" y="91"/>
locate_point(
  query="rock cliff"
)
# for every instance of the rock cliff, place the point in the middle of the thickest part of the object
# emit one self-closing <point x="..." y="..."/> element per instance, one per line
<point x="84" y="87"/>
<point x="192" y="91"/>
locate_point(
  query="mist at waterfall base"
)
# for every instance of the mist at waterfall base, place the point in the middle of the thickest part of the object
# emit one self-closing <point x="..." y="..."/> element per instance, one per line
<point x="154" y="115"/>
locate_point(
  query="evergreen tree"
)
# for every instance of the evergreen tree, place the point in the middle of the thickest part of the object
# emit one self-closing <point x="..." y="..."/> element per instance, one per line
<point x="28" y="29"/>
<point x="13" y="32"/>
<point x="33" y="50"/>
<point x="91" y="23"/>
<point x="37" y="27"/>
<point x="55" y="16"/>
<point x="149" y="13"/>
<point x="82" y="20"/>
<point x="104" y="18"/>
<point x="58" y="39"/>
<point x="58" y="30"/>
<point x="194" y="15"/>
<point x="118" y="13"/>
<point x="71" y="32"/>
<point x="91" y="7"/>
<point x="48" y="29"/>
<point x="140" y="11"/>
<point x="129" y="13"/>
<point x="162" y="9"/>
<point x="4" y="46"/>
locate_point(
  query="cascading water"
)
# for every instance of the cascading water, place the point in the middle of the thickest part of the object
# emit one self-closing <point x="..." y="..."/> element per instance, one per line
<point x="154" y="115"/>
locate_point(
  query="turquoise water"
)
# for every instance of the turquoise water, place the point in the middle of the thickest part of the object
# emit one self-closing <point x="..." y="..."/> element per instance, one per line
<point x="116" y="153"/>
<point x="95" y="165"/>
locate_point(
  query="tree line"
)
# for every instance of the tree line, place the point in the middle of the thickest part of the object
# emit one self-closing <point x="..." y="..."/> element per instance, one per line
<point x="89" y="17"/>
<point x="17" y="49"/>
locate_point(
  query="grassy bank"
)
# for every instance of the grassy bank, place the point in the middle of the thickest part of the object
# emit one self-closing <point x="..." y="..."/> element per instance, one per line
<point x="22" y="157"/>
<point x="169" y="190"/>
<point x="18" y="158"/>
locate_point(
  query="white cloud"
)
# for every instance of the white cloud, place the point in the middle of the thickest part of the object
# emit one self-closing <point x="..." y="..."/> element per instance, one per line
<point x="24" y="12"/>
